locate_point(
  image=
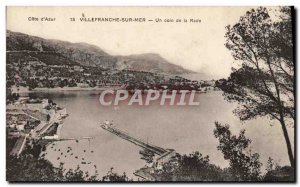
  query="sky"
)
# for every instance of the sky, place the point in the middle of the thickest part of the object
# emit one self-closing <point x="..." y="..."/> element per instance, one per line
<point x="194" y="46"/>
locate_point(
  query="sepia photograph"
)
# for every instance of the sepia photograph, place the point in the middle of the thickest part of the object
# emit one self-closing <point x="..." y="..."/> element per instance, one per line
<point x="150" y="94"/>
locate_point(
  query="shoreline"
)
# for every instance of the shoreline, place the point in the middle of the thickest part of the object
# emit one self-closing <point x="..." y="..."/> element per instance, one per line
<point x="58" y="89"/>
<point x="70" y="89"/>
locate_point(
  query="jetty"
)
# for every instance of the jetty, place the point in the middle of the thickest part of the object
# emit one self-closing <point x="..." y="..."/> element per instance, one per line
<point x="149" y="147"/>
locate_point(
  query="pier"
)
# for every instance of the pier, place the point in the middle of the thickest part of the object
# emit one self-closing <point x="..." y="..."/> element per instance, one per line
<point x="152" y="148"/>
<point x="76" y="139"/>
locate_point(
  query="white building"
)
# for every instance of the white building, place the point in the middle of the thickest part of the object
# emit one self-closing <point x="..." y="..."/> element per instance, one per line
<point x="21" y="125"/>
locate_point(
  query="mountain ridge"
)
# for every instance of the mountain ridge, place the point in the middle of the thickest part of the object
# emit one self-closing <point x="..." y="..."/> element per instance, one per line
<point x="91" y="55"/>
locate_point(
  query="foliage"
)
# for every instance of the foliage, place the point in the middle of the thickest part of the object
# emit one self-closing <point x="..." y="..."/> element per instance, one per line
<point x="270" y="164"/>
<point x="29" y="168"/>
<point x="263" y="85"/>
<point x="111" y="176"/>
<point x="192" y="167"/>
<point x="243" y="166"/>
<point x="280" y="174"/>
<point x="266" y="66"/>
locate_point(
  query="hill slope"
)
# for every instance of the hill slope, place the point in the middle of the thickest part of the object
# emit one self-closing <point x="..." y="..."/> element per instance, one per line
<point x="90" y="55"/>
<point x="149" y="61"/>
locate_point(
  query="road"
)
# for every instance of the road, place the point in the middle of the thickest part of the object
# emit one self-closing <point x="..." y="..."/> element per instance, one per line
<point x="19" y="146"/>
<point x="55" y="119"/>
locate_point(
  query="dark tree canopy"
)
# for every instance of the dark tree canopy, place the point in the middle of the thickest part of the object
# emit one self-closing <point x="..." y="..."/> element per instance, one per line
<point x="243" y="165"/>
<point x="264" y="82"/>
<point x="263" y="85"/>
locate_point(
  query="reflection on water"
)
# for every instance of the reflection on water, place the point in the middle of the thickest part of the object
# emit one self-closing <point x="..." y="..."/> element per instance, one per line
<point x="183" y="128"/>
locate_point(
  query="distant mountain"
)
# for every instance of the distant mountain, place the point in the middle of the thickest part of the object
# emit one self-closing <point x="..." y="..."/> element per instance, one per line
<point x="88" y="55"/>
<point x="149" y="61"/>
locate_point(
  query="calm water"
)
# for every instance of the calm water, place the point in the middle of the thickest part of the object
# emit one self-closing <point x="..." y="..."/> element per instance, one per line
<point x="183" y="128"/>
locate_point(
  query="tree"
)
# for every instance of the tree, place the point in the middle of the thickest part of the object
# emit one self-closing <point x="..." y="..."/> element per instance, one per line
<point x="29" y="168"/>
<point x="243" y="166"/>
<point x="35" y="169"/>
<point x="263" y="85"/>
<point x="270" y="164"/>
<point x="48" y="117"/>
<point x="76" y="175"/>
<point x="191" y="167"/>
<point x="111" y="176"/>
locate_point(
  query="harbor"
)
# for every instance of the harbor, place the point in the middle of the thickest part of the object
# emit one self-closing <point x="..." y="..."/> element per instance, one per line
<point x="33" y="119"/>
<point x="149" y="125"/>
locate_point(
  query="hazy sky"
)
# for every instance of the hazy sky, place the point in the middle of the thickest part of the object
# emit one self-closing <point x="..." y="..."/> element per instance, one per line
<point x="195" y="46"/>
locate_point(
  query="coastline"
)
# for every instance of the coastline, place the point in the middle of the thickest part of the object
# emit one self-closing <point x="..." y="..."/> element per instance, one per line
<point x="71" y="89"/>
<point x="58" y="89"/>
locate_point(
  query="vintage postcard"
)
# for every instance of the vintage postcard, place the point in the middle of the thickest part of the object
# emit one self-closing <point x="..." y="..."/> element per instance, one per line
<point x="150" y="94"/>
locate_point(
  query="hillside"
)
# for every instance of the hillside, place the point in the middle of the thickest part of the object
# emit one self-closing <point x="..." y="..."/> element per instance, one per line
<point x="149" y="61"/>
<point x="88" y="55"/>
<point x="84" y="54"/>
